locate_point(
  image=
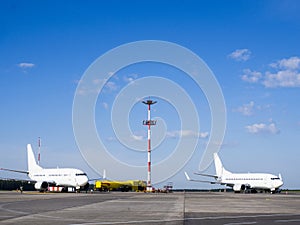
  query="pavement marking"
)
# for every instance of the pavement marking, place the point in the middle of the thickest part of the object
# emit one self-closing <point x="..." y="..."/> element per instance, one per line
<point x="287" y="221"/>
<point x="241" y="223"/>
<point x="239" y="217"/>
<point x="202" y="218"/>
<point x="11" y="210"/>
<point x="129" y="222"/>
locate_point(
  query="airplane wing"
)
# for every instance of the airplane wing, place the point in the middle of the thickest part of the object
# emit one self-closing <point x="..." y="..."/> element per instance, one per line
<point x="100" y="178"/>
<point x="93" y="179"/>
<point x="203" y="181"/>
<point x="17" y="171"/>
<point x="207" y="175"/>
<point x="206" y="181"/>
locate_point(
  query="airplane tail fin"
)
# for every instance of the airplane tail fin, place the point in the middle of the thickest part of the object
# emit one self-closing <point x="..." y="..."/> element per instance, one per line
<point x="220" y="170"/>
<point x="32" y="165"/>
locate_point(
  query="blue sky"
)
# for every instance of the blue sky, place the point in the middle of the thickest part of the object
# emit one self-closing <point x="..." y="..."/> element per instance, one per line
<point x="252" y="47"/>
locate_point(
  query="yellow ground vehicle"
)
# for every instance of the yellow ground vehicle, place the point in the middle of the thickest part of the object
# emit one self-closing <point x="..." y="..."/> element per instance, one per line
<point x="129" y="185"/>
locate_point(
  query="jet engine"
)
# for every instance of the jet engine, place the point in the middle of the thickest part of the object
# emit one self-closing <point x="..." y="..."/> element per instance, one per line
<point x="240" y="187"/>
<point x="42" y="186"/>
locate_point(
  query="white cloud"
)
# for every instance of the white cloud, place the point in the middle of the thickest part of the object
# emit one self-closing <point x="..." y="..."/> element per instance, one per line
<point x="286" y="73"/>
<point x="282" y="78"/>
<point x="186" y="133"/>
<point x="111" y="86"/>
<point x="292" y="63"/>
<point x="137" y="137"/>
<point x="258" y="128"/>
<point x="249" y="109"/>
<point x="203" y="135"/>
<point x="25" y="65"/>
<point x="246" y="109"/>
<point x="130" y="78"/>
<point x="86" y="91"/>
<point x="94" y="87"/>
<point x="105" y="105"/>
<point x="240" y="54"/>
<point x="112" y="139"/>
<point x="131" y="138"/>
<point x="98" y="81"/>
<point x="251" y="76"/>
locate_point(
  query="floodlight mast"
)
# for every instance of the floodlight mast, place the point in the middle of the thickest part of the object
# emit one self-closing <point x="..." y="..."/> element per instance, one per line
<point x="149" y="123"/>
<point x="39" y="153"/>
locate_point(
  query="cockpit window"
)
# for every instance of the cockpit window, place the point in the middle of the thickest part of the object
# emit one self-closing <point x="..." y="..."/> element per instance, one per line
<point x="81" y="174"/>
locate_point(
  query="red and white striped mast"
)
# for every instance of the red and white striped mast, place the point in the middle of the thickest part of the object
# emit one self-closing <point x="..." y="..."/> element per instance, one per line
<point x="149" y="123"/>
<point x="39" y="153"/>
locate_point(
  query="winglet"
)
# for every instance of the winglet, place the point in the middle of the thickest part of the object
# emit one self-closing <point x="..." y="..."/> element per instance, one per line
<point x="104" y="174"/>
<point x="187" y="176"/>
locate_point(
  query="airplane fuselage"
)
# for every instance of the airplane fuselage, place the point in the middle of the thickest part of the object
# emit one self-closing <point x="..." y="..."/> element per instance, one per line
<point x="242" y="182"/>
<point x="45" y="178"/>
<point x="262" y="181"/>
<point x="66" y="177"/>
<point x="60" y="177"/>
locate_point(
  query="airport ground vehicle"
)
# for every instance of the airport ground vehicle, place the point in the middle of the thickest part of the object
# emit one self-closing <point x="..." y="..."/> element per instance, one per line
<point x="129" y="185"/>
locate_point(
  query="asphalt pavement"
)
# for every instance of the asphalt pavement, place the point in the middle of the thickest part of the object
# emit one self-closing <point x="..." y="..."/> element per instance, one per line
<point x="148" y="208"/>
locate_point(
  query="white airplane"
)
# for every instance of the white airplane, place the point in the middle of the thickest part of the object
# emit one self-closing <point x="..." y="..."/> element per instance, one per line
<point x="242" y="182"/>
<point x="59" y="177"/>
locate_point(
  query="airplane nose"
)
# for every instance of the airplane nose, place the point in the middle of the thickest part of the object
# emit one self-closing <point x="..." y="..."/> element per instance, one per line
<point x="82" y="181"/>
<point x="85" y="180"/>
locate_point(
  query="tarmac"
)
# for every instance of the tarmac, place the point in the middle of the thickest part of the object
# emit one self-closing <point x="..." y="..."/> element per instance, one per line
<point x="148" y="208"/>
